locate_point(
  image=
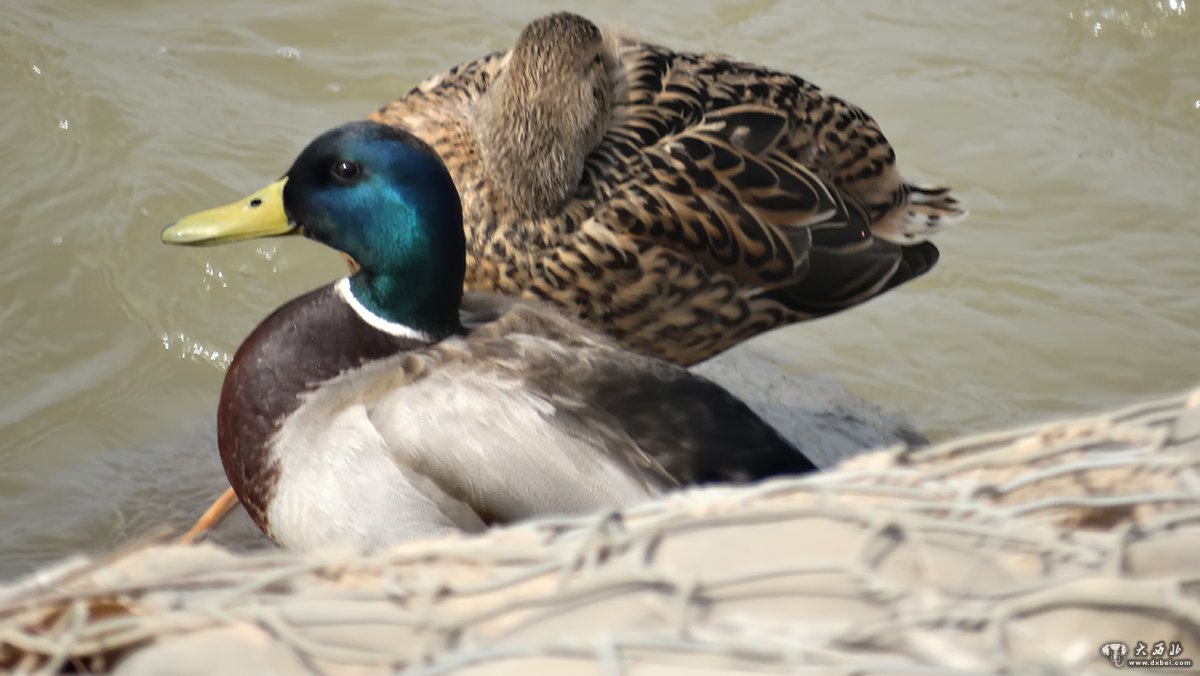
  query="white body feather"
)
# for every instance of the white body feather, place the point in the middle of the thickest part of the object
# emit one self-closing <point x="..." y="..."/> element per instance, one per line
<point x="438" y="455"/>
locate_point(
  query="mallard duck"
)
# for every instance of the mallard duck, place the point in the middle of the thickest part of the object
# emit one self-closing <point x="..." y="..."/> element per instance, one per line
<point x="679" y="202"/>
<point x="389" y="405"/>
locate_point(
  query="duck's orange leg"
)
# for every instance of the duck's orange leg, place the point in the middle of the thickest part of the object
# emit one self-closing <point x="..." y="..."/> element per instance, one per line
<point x="210" y="518"/>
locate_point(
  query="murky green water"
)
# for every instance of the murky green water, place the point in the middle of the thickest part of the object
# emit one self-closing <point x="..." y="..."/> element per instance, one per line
<point x="1070" y="128"/>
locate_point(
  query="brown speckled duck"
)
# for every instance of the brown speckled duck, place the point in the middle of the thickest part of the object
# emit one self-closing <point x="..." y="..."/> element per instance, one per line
<point x="679" y="202"/>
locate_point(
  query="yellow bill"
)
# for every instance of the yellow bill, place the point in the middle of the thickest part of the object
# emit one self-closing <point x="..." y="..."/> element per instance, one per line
<point x="258" y="215"/>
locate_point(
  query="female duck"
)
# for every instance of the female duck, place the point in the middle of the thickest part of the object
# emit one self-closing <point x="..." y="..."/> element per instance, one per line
<point x="365" y="412"/>
<point x="678" y="202"/>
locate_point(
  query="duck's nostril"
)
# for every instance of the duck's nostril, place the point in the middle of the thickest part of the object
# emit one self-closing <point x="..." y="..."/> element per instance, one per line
<point x="255" y="203"/>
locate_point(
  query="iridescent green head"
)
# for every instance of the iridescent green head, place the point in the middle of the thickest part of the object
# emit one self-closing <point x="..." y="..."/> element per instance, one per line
<point x="377" y="193"/>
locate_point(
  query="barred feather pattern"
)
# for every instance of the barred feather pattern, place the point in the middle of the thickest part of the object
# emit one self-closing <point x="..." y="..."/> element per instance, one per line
<point x="726" y="199"/>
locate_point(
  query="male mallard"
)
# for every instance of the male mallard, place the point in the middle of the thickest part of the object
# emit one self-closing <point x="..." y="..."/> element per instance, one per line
<point x="364" y="413"/>
<point x="678" y="202"/>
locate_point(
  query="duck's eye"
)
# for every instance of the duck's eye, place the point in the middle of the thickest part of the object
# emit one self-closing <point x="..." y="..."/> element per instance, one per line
<point x="598" y="60"/>
<point x="345" y="170"/>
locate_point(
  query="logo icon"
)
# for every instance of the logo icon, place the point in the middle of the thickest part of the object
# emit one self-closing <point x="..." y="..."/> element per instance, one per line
<point x="1115" y="652"/>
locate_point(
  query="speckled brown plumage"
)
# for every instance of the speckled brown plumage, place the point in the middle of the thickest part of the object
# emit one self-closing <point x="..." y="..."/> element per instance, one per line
<point x="724" y="199"/>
